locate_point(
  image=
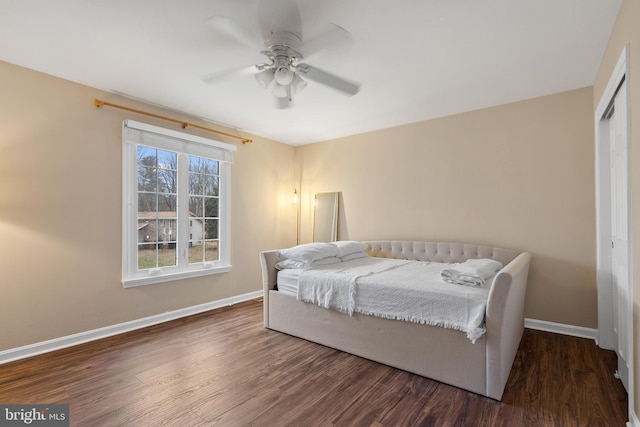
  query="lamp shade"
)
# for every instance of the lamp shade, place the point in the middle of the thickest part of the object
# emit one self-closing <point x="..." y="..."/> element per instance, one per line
<point x="284" y="75"/>
<point x="297" y="83"/>
<point x="279" y="90"/>
<point x="265" y="77"/>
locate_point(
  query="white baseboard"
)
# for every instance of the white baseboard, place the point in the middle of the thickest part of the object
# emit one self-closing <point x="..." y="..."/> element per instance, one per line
<point x="560" y="328"/>
<point x="633" y="419"/>
<point x="95" y="334"/>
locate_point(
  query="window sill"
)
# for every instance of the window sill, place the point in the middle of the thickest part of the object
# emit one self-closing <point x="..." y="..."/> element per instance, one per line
<point x="151" y="280"/>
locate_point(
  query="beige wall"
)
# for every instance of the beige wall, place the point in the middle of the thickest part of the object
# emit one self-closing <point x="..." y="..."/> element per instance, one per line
<point x="60" y="213"/>
<point x="518" y="176"/>
<point x="627" y="31"/>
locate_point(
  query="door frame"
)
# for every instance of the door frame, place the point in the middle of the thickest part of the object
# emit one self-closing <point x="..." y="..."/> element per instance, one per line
<point x="606" y="337"/>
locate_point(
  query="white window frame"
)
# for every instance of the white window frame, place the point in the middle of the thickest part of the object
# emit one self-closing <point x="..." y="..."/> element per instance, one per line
<point x="136" y="133"/>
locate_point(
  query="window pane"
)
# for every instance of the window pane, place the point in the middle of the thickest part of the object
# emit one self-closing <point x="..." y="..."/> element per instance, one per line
<point x="168" y="204"/>
<point x="211" y="251"/>
<point x="167" y="255"/>
<point x="211" y="207"/>
<point x="167" y="160"/>
<point x="204" y="251"/>
<point x="147" y="230"/>
<point x="214" y="167"/>
<point x="195" y="253"/>
<point x="195" y="183"/>
<point x="209" y="166"/>
<point x="194" y="163"/>
<point x="196" y="230"/>
<point x="146" y="155"/>
<point x="203" y="176"/>
<point x="211" y="185"/>
<point x="211" y="228"/>
<point x="157" y="207"/>
<point x="146" y="152"/>
<point x="167" y="181"/>
<point x="202" y="165"/>
<point x="146" y="256"/>
<point x="167" y="230"/>
<point x="147" y="205"/>
<point x="147" y="178"/>
<point x="156" y="255"/>
<point x="203" y="204"/>
<point x="195" y="206"/>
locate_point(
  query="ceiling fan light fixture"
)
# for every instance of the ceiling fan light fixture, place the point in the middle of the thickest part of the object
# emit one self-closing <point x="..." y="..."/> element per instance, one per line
<point x="284" y="76"/>
<point x="265" y="77"/>
<point x="280" y="91"/>
<point x="297" y="83"/>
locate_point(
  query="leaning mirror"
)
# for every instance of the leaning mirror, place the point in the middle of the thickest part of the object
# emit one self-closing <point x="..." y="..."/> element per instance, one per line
<point x="325" y="218"/>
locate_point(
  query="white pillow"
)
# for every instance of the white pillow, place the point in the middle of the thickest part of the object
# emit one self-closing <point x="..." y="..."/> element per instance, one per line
<point x="325" y="261"/>
<point x="310" y="252"/>
<point x="350" y="247"/>
<point x="290" y="264"/>
<point x="293" y="264"/>
<point x="354" y="255"/>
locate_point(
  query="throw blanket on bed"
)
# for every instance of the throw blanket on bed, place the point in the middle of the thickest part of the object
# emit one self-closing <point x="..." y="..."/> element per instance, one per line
<point x="472" y="272"/>
<point x="334" y="286"/>
<point x="397" y="289"/>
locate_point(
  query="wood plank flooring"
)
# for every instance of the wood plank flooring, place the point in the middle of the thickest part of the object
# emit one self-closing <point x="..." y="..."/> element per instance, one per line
<point x="223" y="368"/>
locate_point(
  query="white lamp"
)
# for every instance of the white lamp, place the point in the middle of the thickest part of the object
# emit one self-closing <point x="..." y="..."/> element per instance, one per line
<point x="280" y="91"/>
<point x="265" y="77"/>
<point x="284" y="75"/>
<point x="297" y="83"/>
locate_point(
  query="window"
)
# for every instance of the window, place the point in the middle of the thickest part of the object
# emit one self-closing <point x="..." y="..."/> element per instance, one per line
<point x="175" y="205"/>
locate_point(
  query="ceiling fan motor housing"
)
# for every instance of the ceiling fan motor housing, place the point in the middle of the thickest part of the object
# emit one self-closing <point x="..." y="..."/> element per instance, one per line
<point x="282" y="51"/>
<point x="282" y="38"/>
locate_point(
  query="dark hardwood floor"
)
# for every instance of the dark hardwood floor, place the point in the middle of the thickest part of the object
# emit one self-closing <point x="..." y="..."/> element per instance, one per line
<point x="224" y="368"/>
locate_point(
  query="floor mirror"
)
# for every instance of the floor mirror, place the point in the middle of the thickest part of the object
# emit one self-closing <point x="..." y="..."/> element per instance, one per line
<point x="325" y="218"/>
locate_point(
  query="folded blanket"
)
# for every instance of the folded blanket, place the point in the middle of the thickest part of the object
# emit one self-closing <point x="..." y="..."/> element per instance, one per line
<point x="472" y="272"/>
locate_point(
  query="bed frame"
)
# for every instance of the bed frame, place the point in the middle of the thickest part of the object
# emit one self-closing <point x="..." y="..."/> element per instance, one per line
<point x="441" y="354"/>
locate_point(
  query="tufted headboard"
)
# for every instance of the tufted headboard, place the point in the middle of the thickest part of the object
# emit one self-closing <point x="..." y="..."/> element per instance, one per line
<point x="437" y="251"/>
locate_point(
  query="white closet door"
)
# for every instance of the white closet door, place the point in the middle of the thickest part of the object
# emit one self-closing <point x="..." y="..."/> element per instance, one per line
<point x="620" y="232"/>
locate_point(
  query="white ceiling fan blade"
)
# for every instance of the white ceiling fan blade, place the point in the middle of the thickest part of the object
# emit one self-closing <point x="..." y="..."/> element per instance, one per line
<point x="231" y="29"/>
<point x="335" y="35"/>
<point x="222" y="76"/>
<point x="328" y="79"/>
<point x="279" y="15"/>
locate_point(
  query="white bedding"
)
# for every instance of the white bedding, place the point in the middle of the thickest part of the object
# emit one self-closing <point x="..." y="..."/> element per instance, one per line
<point x="395" y="289"/>
<point x="288" y="281"/>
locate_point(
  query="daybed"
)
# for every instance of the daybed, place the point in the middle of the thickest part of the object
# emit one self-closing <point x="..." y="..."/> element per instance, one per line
<point x="442" y="354"/>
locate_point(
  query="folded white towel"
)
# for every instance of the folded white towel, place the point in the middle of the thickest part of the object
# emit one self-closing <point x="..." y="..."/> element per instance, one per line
<point x="472" y="272"/>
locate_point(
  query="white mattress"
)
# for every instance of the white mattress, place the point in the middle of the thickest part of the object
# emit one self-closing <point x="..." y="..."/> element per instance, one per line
<point x="288" y="281"/>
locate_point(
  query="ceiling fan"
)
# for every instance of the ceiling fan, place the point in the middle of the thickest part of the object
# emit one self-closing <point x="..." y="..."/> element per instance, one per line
<point x="281" y="34"/>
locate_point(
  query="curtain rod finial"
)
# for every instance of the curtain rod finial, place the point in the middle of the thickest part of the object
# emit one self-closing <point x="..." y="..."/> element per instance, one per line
<point x="98" y="103"/>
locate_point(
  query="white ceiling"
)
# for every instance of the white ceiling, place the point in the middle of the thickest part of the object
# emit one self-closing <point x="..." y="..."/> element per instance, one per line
<point x="414" y="59"/>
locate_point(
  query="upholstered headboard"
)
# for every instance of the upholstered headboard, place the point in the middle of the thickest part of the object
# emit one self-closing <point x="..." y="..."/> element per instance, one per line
<point x="437" y="252"/>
